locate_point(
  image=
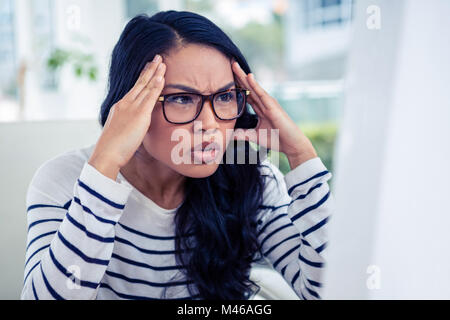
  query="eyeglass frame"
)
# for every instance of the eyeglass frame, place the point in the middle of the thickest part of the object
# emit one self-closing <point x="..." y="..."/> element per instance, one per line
<point x="209" y="97"/>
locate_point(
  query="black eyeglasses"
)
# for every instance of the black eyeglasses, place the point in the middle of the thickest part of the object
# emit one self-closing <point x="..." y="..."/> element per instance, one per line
<point x="184" y="107"/>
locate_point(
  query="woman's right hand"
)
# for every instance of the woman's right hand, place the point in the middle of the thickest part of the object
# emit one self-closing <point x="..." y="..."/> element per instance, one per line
<point x="128" y="121"/>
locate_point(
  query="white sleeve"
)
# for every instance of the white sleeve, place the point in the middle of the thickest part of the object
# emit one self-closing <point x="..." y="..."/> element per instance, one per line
<point x="70" y="240"/>
<point x="293" y="225"/>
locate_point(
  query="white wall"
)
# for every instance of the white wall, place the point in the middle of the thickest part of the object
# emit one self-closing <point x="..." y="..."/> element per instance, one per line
<point x="392" y="174"/>
<point x="24" y="147"/>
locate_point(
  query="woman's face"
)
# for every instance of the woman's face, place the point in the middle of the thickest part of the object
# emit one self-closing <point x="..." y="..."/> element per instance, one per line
<point x="204" y="70"/>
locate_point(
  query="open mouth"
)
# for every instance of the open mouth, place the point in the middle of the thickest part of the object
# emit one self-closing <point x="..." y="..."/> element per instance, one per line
<point x="205" y="152"/>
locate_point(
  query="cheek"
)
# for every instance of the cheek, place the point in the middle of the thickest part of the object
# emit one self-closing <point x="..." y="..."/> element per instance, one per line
<point x="157" y="141"/>
<point x="227" y="132"/>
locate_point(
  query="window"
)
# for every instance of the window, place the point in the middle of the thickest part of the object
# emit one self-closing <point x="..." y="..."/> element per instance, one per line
<point x="135" y="7"/>
<point x="327" y="13"/>
<point x="7" y="49"/>
<point x="43" y="33"/>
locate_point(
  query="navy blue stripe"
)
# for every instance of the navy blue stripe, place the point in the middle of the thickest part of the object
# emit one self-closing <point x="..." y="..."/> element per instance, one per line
<point x="315" y="227"/>
<point x="323" y="246"/>
<point x="312" y="292"/>
<point x="86" y="209"/>
<point x="125" y="296"/>
<point x="81" y="254"/>
<point x="311" y="263"/>
<point x="148" y="283"/>
<point x="281" y="242"/>
<point x="273" y="207"/>
<point x="88" y="233"/>
<point x="144" y="265"/>
<point x="276" y="263"/>
<point x="296" y="275"/>
<point x="99" y="196"/>
<point x="144" y="250"/>
<point x="307" y="180"/>
<point x="35" y="206"/>
<point x="132" y="297"/>
<point x="70" y="275"/>
<point x="67" y="205"/>
<point x="41" y="248"/>
<point x="283" y="270"/>
<point x="314" y="206"/>
<point x="34" y="290"/>
<point x="146" y="235"/>
<point x="275" y="231"/>
<point x="271" y="221"/>
<point x="42" y="221"/>
<point x="49" y="287"/>
<point x="306" y="243"/>
<point x="26" y="277"/>
<point x="301" y="293"/>
<point x="302" y="196"/>
<point x="38" y="205"/>
<point x="38" y="237"/>
<point x="315" y="283"/>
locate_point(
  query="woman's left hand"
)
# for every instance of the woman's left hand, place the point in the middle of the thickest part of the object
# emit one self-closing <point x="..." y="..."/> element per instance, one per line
<point x="292" y="141"/>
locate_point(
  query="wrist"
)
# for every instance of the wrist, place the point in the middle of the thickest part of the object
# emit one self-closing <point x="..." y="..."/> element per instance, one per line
<point x="105" y="166"/>
<point x="298" y="158"/>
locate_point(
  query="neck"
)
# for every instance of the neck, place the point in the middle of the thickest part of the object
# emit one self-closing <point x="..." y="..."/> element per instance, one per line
<point x="154" y="179"/>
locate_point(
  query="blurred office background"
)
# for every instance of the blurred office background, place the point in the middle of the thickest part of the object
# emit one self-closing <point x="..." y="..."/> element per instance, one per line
<point x="367" y="81"/>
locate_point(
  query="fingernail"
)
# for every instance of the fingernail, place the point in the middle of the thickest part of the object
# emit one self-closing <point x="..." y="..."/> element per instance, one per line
<point x="156" y="58"/>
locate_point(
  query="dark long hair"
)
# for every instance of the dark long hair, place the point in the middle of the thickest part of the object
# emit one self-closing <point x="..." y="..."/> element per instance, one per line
<point x="216" y="235"/>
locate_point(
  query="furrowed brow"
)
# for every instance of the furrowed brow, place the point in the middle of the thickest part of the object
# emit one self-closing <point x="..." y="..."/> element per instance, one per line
<point x="192" y="90"/>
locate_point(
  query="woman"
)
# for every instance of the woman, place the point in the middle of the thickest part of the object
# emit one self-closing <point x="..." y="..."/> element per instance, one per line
<point x="124" y="218"/>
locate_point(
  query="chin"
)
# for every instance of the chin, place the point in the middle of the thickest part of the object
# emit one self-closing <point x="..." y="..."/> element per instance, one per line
<point x="198" y="170"/>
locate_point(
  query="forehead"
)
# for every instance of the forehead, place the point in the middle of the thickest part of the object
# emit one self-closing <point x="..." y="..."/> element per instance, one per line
<point x="200" y="67"/>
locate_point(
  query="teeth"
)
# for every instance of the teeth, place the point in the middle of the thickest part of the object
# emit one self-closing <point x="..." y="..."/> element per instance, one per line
<point x="209" y="148"/>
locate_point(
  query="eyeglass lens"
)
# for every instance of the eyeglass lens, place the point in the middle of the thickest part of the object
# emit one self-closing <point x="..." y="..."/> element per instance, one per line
<point x="185" y="107"/>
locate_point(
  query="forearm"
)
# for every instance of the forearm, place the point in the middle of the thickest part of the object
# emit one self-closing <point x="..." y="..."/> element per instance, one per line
<point x="304" y="152"/>
<point x="294" y="234"/>
<point x="69" y="248"/>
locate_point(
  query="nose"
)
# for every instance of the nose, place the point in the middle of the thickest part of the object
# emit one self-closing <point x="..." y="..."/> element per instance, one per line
<point x="207" y="117"/>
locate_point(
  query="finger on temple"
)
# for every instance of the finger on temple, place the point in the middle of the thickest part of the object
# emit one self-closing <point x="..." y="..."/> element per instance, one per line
<point x="143" y="80"/>
<point x="152" y="86"/>
<point x="261" y="94"/>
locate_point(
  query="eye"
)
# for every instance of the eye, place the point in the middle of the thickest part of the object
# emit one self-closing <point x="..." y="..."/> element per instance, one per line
<point x="226" y="97"/>
<point x="182" y="99"/>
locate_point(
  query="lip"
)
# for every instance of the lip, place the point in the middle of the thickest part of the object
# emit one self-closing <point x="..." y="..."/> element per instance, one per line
<point x="201" y="157"/>
<point x="205" y="145"/>
<point x="205" y="152"/>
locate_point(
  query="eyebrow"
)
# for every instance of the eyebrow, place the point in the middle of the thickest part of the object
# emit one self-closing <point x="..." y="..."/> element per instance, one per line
<point x="192" y="90"/>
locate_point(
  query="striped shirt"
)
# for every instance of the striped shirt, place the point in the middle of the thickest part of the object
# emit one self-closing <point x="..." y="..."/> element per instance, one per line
<point x="91" y="237"/>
